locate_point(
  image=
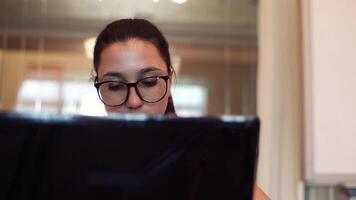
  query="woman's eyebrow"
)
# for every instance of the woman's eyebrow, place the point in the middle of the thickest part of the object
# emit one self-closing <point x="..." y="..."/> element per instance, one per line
<point x="149" y="69"/>
<point x="114" y="74"/>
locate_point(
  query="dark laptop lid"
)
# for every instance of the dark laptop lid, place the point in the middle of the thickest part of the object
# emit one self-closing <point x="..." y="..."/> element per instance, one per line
<point x="127" y="157"/>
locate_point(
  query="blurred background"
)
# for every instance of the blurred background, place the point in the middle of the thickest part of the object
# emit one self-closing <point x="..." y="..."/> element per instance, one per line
<point x="46" y="53"/>
<point x="291" y="62"/>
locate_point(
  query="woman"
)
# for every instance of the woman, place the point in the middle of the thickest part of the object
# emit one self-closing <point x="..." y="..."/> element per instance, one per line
<point x="133" y="51"/>
<point x="134" y="71"/>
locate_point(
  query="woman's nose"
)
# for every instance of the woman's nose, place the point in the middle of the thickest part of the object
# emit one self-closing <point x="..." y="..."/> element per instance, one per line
<point x="133" y="100"/>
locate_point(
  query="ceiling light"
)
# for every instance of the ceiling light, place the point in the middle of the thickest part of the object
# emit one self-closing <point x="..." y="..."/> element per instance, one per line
<point x="89" y="47"/>
<point x="179" y="1"/>
<point x="155" y="1"/>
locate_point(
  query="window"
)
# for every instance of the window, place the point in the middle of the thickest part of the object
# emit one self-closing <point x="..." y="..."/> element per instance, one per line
<point x="52" y="96"/>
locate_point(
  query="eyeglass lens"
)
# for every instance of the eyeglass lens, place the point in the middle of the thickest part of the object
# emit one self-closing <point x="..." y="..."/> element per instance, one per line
<point x="150" y="89"/>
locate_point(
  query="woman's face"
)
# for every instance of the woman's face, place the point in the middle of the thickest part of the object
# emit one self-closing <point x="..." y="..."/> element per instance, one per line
<point x="129" y="62"/>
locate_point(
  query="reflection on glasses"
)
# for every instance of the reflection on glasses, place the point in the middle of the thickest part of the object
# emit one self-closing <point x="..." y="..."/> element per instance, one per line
<point x="116" y="93"/>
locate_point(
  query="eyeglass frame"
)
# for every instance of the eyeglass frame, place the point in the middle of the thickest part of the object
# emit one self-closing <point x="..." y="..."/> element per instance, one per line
<point x="129" y="85"/>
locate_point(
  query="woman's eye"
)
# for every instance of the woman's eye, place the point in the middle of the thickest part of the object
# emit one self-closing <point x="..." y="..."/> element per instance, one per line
<point x="149" y="82"/>
<point x="116" y="87"/>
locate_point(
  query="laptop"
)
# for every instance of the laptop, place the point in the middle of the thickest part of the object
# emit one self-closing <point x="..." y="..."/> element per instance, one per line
<point x="127" y="157"/>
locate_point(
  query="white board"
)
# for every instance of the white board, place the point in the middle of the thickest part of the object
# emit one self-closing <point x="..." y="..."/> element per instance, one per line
<point x="330" y="90"/>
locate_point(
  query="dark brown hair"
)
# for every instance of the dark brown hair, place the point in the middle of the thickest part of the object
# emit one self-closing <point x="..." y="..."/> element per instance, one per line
<point x="125" y="29"/>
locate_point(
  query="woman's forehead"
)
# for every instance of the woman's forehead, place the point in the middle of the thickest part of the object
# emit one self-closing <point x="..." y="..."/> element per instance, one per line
<point x="132" y="55"/>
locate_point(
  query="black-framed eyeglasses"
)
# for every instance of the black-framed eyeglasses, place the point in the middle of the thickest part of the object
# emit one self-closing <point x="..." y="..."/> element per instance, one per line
<point x="115" y="93"/>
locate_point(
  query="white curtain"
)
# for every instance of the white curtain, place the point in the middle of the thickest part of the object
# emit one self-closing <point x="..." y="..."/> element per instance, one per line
<point x="279" y="99"/>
